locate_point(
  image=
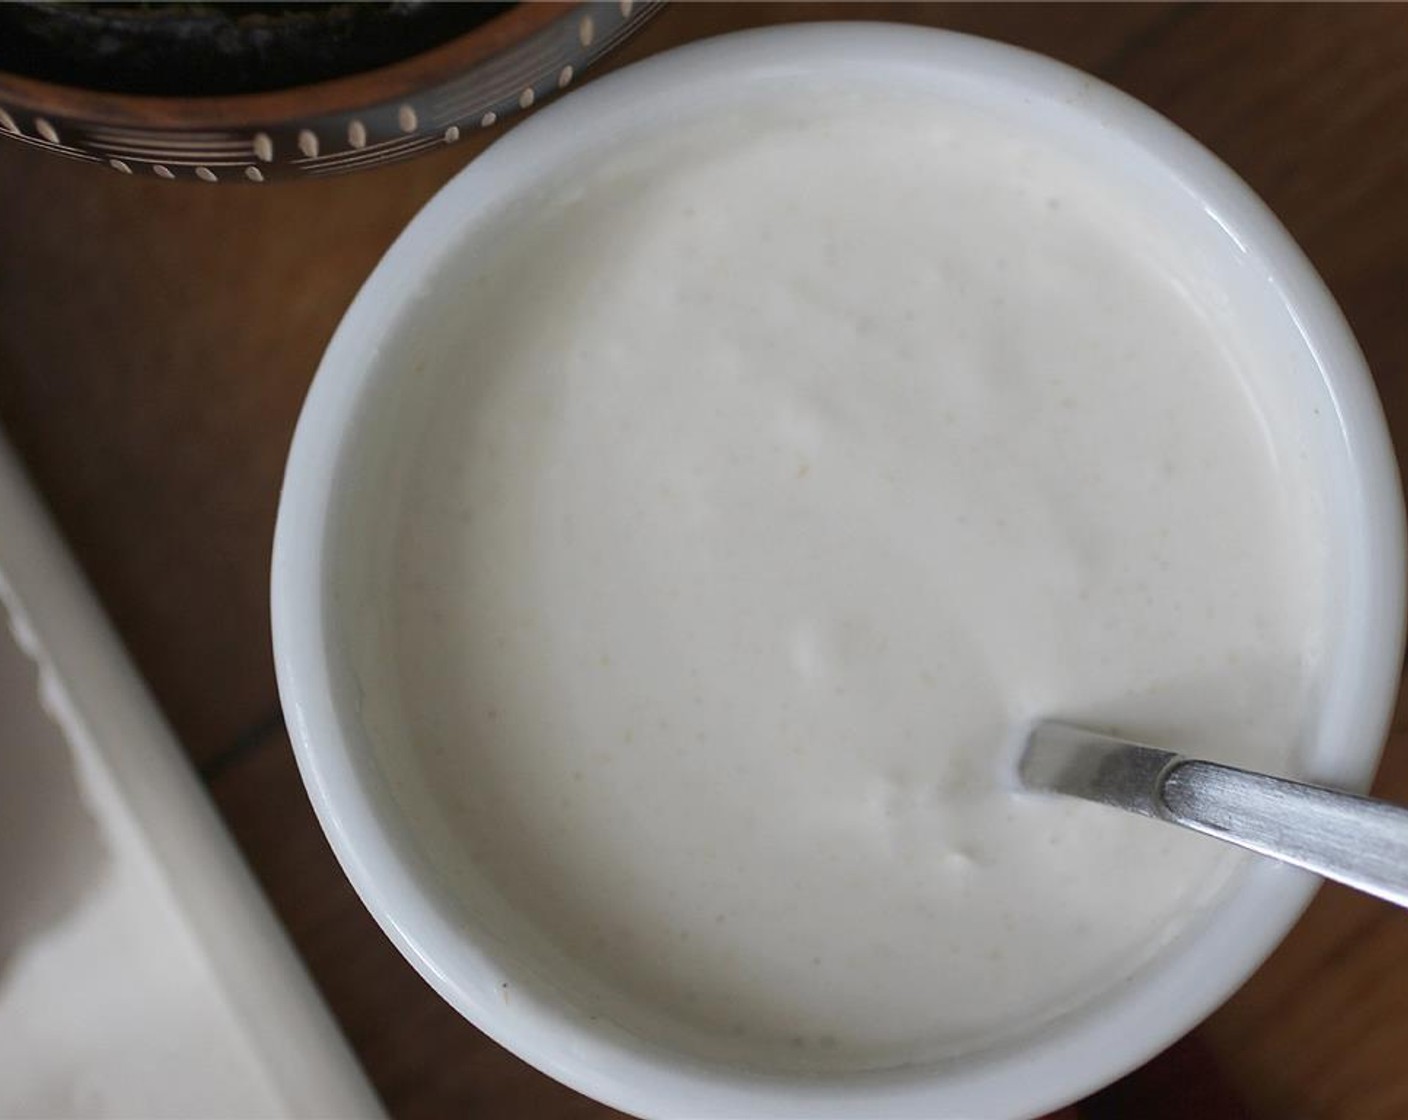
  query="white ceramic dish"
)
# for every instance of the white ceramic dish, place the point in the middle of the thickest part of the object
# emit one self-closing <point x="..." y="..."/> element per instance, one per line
<point x="498" y="985"/>
<point x="141" y="971"/>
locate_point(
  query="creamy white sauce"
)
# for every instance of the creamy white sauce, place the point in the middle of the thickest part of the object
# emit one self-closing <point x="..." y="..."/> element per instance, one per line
<point x="778" y="473"/>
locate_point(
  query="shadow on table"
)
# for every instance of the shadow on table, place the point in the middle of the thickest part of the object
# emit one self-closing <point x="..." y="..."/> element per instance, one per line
<point x="1182" y="1083"/>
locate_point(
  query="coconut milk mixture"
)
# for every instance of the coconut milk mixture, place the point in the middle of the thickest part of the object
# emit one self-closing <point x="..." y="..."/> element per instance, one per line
<point x="780" y="473"/>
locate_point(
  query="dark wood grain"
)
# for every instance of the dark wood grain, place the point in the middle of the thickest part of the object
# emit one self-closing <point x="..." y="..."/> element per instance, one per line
<point x="158" y="341"/>
<point x="158" y="338"/>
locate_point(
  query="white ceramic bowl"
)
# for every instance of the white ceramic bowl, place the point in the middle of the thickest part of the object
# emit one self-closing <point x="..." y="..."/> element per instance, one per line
<point x="1261" y="267"/>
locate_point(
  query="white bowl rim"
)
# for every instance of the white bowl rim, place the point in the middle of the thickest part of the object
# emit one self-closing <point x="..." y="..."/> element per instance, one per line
<point x="1059" y="1064"/>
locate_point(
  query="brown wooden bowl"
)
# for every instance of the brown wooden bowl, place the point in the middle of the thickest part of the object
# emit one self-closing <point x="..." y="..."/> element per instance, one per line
<point x="508" y="63"/>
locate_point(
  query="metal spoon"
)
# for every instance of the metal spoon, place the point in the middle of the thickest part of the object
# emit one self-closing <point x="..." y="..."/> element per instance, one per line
<point x="1353" y="840"/>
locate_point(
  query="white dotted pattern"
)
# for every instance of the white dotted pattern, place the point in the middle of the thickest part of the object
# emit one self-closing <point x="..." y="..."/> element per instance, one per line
<point x="262" y="144"/>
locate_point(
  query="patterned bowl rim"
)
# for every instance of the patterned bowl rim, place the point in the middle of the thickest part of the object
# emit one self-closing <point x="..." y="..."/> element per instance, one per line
<point x="428" y="68"/>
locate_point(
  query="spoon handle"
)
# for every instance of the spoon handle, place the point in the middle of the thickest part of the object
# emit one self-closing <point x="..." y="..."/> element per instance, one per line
<point x="1354" y="840"/>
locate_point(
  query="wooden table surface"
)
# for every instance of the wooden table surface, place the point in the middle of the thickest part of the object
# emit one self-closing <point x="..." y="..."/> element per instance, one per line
<point x="156" y="341"/>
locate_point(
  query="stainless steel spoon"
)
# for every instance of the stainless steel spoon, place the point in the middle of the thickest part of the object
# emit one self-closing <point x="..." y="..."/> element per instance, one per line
<point x="1341" y="836"/>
